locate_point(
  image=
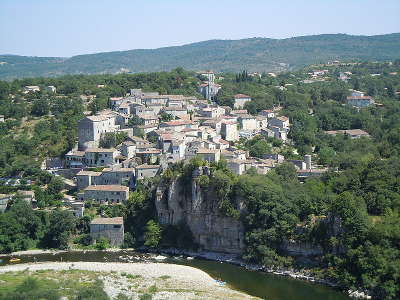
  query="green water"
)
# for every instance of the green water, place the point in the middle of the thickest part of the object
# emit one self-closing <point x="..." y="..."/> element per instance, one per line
<point x="263" y="285"/>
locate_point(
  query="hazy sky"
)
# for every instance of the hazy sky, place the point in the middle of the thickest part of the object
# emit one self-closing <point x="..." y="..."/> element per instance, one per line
<point x="70" y="27"/>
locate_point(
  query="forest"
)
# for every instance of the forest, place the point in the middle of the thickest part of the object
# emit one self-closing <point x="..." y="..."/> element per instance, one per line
<point x="351" y="212"/>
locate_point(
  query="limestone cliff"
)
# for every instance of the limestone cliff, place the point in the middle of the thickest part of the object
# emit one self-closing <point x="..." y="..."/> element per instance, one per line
<point x="198" y="208"/>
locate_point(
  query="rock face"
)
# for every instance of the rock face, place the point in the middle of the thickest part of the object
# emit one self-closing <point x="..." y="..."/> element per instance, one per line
<point x="198" y="208"/>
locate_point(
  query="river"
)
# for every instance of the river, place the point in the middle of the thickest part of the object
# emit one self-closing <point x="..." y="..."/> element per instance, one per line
<point x="260" y="284"/>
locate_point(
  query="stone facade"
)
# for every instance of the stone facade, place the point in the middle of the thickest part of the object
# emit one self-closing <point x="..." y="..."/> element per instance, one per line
<point x="109" y="228"/>
<point x="91" y="128"/>
<point x="105" y="194"/>
<point x="199" y="210"/>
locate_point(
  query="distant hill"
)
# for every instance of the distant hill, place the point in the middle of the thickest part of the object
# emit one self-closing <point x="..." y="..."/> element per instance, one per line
<point x="254" y="54"/>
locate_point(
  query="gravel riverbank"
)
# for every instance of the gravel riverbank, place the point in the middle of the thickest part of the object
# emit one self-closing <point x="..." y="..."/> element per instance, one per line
<point x="183" y="282"/>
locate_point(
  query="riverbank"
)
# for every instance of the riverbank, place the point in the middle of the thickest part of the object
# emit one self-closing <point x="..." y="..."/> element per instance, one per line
<point x="149" y="256"/>
<point x="53" y="251"/>
<point x="166" y="281"/>
<point x="236" y="260"/>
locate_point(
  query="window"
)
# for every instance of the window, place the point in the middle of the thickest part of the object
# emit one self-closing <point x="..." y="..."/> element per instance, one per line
<point x="117" y="226"/>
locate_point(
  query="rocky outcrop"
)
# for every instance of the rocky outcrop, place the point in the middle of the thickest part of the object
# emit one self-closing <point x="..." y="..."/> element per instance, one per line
<point x="301" y="248"/>
<point x="198" y="208"/>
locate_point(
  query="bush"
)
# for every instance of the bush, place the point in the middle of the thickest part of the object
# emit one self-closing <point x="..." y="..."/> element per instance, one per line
<point x="85" y="240"/>
<point x="102" y="243"/>
<point x="152" y="236"/>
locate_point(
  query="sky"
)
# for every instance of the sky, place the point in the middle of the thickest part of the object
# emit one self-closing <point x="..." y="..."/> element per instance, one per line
<point x="72" y="27"/>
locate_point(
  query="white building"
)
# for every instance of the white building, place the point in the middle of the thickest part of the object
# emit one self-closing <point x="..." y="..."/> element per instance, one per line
<point x="248" y="122"/>
<point x="240" y="100"/>
<point x="90" y="130"/>
<point x="229" y="131"/>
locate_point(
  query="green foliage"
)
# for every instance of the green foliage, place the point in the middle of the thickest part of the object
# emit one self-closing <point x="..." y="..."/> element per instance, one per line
<point x="102" y="243"/>
<point x="135" y="120"/>
<point x="84" y="240"/>
<point x="40" y="107"/>
<point x="152" y="235"/>
<point x="61" y="225"/>
<point x="29" y="289"/>
<point x="139" y="211"/>
<point x="258" y="147"/>
<point x="112" y="139"/>
<point x="93" y="291"/>
<point x="164" y="117"/>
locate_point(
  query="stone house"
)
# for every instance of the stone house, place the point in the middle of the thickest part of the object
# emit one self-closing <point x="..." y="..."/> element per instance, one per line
<point x="149" y="119"/>
<point x="178" y="149"/>
<point x="177" y="112"/>
<point x="281" y="122"/>
<point x="145" y="171"/>
<point x="269" y="113"/>
<point x="128" y="149"/>
<point x="262" y="122"/>
<point x="91" y="128"/>
<point x="209" y="90"/>
<point x="209" y="154"/>
<point x="115" y="102"/>
<point x="214" y="123"/>
<point x="86" y="178"/>
<point x="212" y="112"/>
<point x="154" y="109"/>
<point x="248" y="122"/>
<point x="178" y="125"/>
<point x="279" y="133"/>
<point x="240" y="100"/>
<point x="353" y="133"/>
<point x="117" y="176"/>
<point x="75" y="159"/>
<point x="77" y="208"/>
<point x="155" y="99"/>
<point x="229" y="131"/>
<point x="148" y="155"/>
<point x="109" y="228"/>
<point x="147" y="128"/>
<point x="125" y="108"/>
<point x="237" y="166"/>
<point x="109" y="194"/>
<point x="98" y="157"/>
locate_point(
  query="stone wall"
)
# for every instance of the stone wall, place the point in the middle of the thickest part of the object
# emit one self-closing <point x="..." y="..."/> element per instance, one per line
<point x="198" y="208"/>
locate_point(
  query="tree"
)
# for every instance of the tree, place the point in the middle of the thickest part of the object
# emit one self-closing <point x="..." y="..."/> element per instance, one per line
<point x="164" y="117"/>
<point x="40" y="107"/>
<point x="55" y="186"/>
<point x="152" y="235"/>
<point x="62" y="224"/>
<point x="102" y="243"/>
<point x="135" y="120"/>
<point x="286" y="171"/>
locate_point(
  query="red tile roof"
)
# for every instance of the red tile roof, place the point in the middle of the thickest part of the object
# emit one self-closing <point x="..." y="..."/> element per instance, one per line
<point x="238" y="96"/>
